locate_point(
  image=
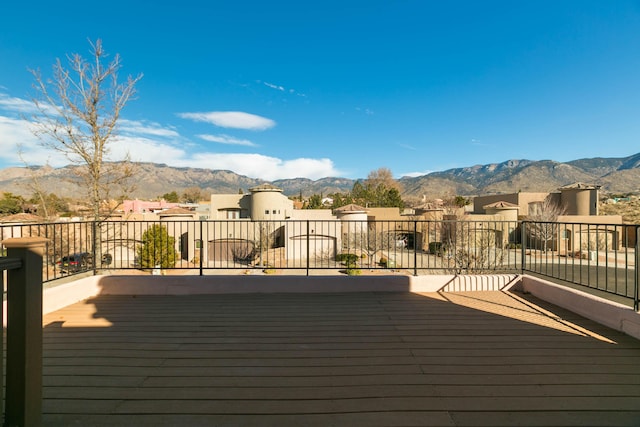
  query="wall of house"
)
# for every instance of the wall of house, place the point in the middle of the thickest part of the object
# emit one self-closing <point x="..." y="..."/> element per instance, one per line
<point x="481" y="201"/>
<point x="312" y="214"/>
<point x="221" y="203"/>
<point x="270" y="205"/>
<point x="579" y="201"/>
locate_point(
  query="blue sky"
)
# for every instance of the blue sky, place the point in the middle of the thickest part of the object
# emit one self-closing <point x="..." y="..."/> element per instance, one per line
<point x="284" y="89"/>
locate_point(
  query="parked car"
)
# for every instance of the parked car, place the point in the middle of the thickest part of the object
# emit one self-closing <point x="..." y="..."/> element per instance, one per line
<point x="75" y="263"/>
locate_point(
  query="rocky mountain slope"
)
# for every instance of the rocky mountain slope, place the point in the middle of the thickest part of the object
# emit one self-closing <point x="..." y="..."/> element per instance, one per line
<point x="615" y="175"/>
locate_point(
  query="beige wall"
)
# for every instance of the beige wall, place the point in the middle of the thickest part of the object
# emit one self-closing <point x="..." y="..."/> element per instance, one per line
<point x="270" y="204"/>
<point x="521" y="199"/>
<point x="220" y="203"/>
<point x="579" y="201"/>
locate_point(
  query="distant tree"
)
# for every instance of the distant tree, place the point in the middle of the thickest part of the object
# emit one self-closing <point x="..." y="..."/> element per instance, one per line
<point x="314" y="202"/>
<point x="158" y="248"/>
<point x="380" y="189"/>
<point x="171" y="197"/>
<point x="78" y="112"/>
<point x="11" y="204"/>
<point x="192" y="195"/>
<point x="49" y="204"/>
<point x="461" y="201"/>
<point x="543" y="226"/>
<point x="341" y="199"/>
<point x="382" y="177"/>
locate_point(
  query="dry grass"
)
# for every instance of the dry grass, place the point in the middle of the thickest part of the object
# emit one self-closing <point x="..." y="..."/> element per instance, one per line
<point x="630" y="210"/>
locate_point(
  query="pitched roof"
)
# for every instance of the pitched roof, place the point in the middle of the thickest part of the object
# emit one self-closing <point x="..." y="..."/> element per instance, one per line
<point x="175" y="211"/>
<point x="501" y="205"/>
<point x="352" y="207"/>
<point x="265" y="187"/>
<point x="580" y="186"/>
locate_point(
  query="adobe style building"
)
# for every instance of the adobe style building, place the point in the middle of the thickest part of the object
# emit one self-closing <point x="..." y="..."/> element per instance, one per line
<point x="264" y="202"/>
<point x="576" y="204"/>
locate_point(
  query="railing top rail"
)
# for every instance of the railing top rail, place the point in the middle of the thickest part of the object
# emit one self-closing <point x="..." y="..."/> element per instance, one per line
<point x="7" y="263"/>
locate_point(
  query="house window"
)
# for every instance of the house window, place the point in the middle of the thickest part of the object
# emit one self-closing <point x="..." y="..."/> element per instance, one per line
<point x="266" y="211"/>
<point x="233" y="214"/>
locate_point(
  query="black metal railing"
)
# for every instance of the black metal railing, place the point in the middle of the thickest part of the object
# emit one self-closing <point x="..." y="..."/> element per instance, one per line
<point x="599" y="256"/>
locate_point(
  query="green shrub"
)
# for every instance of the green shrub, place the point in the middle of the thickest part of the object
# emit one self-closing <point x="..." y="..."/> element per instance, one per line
<point x="354" y="272"/>
<point x="435" y="247"/>
<point x="157" y="249"/>
<point x="347" y="258"/>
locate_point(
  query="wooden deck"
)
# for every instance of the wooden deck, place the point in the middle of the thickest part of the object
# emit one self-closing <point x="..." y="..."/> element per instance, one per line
<point x="357" y="359"/>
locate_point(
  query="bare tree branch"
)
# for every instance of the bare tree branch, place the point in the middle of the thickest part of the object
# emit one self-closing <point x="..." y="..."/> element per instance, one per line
<point x="78" y="113"/>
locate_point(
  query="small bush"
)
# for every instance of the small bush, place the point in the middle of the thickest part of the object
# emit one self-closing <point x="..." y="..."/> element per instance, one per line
<point x="435" y="247"/>
<point x="270" y="270"/>
<point x="347" y="258"/>
<point x="354" y="272"/>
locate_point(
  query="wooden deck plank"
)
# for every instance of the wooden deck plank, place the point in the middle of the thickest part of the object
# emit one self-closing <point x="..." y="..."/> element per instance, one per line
<point x="341" y="359"/>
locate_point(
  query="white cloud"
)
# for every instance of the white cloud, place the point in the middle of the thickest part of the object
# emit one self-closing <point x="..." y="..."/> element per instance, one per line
<point x="407" y="146"/>
<point x="264" y="167"/>
<point x="231" y="119"/>
<point x="416" y="174"/>
<point x="152" y="142"/>
<point x="147" y="128"/>
<point x="16" y="105"/>
<point x="226" y="139"/>
<point x="16" y="140"/>
<point x="276" y="87"/>
<point x="283" y="89"/>
<point x="141" y="149"/>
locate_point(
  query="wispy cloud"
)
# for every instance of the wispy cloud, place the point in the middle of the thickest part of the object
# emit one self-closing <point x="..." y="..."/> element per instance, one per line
<point x="416" y="174"/>
<point x="283" y="89"/>
<point x="272" y="86"/>
<point x="147" y="128"/>
<point x="366" y="111"/>
<point x="407" y="146"/>
<point x="266" y="167"/>
<point x="153" y="142"/>
<point x="16" y="105"/>
<point x="231" y="119"/>
<point x="226" y="139"/>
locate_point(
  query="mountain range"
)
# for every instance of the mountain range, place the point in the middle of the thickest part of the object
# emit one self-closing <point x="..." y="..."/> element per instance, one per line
<point x="614" y="175"/>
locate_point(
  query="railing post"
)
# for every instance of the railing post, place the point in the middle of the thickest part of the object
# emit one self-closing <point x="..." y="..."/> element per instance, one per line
<point x="201" y="248"/>
<point x="415" y="248"/>
<point x="24" y="333"/>
<point x="523" y="250"/>
<point x="308" y="247"/>
<point x="636" y="303"/>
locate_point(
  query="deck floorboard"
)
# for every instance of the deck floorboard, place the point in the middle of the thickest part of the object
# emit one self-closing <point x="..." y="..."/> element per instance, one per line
<point x="455" y="359"/>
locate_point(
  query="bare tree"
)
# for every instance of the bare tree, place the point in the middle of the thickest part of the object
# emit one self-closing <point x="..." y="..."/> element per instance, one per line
<point x="473" y="247"/>
<point x="78" y="111"/>
<point x="192" y="195"/>
<point x="382" y="177"/>
<point x="543" y="217"/>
